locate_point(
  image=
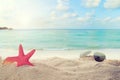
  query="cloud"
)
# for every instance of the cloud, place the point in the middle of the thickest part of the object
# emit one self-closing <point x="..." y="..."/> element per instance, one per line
<point x="116" y="20"/>
<point x="91" y="3"/>
<point x="87" y="19"/>
<point x="112" y="4"/>
<point x="62" y="5"/>
<point x="69" y="15"/>
<point x="107" y="22"/>
<point x="111" y="20"/>
<point x="84" y="19"/>
<point x="62" y="10"/>
<point x="63" y="16"/>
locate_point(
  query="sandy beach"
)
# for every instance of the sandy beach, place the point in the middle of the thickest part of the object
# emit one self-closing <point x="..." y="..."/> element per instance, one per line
<point x="57" y="68"/>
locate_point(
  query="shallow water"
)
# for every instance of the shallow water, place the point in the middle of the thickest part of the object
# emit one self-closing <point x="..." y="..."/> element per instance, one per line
<point x="60" y="39"/>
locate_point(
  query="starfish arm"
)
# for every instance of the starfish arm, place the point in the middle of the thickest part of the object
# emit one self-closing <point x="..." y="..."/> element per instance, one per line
<point x="21" y="52"/>
<point x="30" y="53"/>
<point x="10" y="59"/>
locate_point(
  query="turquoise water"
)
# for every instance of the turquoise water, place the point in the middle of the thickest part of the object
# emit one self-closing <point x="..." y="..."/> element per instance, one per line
<point x="60" y="39"/>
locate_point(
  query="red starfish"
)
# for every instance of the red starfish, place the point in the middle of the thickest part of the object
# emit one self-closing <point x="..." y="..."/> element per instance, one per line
<point x="21" y="59"/>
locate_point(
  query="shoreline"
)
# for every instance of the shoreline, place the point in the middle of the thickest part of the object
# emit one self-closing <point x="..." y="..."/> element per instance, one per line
<point x="69" y="54"/>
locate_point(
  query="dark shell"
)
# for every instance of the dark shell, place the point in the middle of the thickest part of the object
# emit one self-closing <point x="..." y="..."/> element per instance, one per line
<point x="99" y="57"/>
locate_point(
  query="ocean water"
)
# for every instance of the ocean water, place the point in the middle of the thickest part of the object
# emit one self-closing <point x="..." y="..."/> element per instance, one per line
<point x="72" y="39"/>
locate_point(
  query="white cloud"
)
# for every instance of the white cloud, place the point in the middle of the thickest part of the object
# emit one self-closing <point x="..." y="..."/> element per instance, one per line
<point x="83" y="19"/>
<point x="87" y="19"/>
<point x="116" y="20"/>
<point x="69" y="15"/>
<point x="62" y="5"/>
<point x="62" y="11"/>
<point x="63" y="16"/>
<point x="112" y="4"/>
<point x="107" y="19"/>
<point x="107" y="22"/>
<point x="111" y="20"/>
<point x="91" y="3"/>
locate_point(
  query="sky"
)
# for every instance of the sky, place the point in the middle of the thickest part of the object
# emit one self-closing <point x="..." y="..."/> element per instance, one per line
<point x="60" y="14"/>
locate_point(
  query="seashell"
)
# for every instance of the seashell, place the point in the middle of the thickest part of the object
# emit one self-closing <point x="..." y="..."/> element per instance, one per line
<point x="85" y="54"/>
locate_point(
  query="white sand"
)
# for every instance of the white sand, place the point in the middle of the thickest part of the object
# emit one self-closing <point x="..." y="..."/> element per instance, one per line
<point x="63" y="69"/>
<point x="69" y="54"/>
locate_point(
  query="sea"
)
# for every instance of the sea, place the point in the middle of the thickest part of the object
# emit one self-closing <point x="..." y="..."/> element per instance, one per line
<point x="60" y="39"/>
<point x="68" y="43"/>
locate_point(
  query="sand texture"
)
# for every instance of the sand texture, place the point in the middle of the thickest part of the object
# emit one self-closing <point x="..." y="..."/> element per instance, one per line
<point x="63" y="69"/>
